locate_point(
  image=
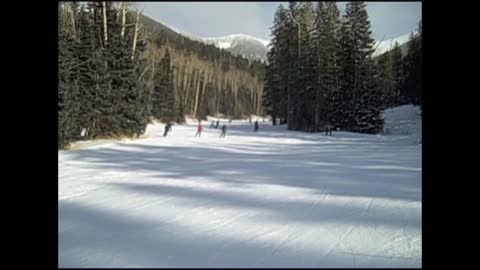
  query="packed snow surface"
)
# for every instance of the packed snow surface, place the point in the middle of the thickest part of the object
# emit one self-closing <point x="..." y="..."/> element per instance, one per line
<point x="273" y="198"/>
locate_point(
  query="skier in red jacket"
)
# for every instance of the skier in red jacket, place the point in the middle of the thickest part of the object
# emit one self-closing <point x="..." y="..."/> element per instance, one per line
<point x="199" y="129"/>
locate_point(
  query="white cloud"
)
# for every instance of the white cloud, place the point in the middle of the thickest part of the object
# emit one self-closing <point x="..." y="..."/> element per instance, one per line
<point x="210" y="18"/>
<point x="213" y="19"/>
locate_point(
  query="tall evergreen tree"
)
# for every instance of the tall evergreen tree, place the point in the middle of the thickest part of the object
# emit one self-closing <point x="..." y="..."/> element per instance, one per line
<point x="267" y="101"/>
<point x="306" y="74"/>
<point x="102" y="91"/>
<point x="85" y="70"/>
<point x="341" y="99"/>
<point x="294" y="54"/>
<point x="398" y="74"/>
<point x="127" y="91"/>
<point x="413" y="79"/>
<point x="282" y="64"/>
<point x="363" y="114"/>
<point x="327" y="27"/>
<point x="96" y="114"/>
<point x="143" y="97"/>
<point x="67" y="83"/>
<point x="164" y="96"/>
<point x="279" y="65"/>
<point x="386" y="78"/>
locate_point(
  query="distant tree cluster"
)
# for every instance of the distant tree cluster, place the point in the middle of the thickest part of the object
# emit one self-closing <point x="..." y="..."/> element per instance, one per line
<point x="400" y="77"/>
<point x="101" y="91"/>
<point x="207" y="80"/>
<point x="321" y="72"/>
<point x="117" y="69"/>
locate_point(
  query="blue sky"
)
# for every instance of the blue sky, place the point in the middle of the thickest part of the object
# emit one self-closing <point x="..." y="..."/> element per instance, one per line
<point x="212" y="19"/>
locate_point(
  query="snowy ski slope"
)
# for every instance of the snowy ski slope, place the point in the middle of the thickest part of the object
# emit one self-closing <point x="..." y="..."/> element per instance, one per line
<point x="275" y="198"/>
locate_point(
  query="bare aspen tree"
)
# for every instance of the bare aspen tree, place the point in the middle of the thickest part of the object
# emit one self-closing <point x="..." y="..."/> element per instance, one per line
<point x="124" y="12"/>
<point x="196" y="97"/>
<point x="105" y="30"/>
<point x="135" y="35"/>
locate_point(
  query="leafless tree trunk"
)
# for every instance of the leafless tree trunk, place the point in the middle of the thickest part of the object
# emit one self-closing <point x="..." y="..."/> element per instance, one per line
<point x="196" y="96"/>
<point x="74" y="30"/>
<point x="124" y="12"/>
<point x="135" y="35"/>
<point x="258" y="99"/>
<point x="105" y="32"/>
<point x="186" y="86"/>
<point x="205" y="72"/>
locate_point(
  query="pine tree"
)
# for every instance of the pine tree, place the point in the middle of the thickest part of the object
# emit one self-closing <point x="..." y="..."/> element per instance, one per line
<point x="157" y="93"/>
<point x="327" y="26"/>
<point x="300" y="23"/>
<point x="169" y="95"/>
<point x="124" y="84"/>
<point x="86" y="74"/>
<point x="294" y="54"/>
<point x="308" y="74"/>
<point x="363" y="112"/>
<point x="143" y="97"/>
<point x="398" y="74"/>
<point x="95" y="113"/>
<point x="164" y="97"/>
<point x="386" y="79"/>
<point x="413" y="79"/>
<point x="267" y="100"/>
<point x="282" y="64"/>
<point x="343" y="112"/>
<point x="67" y="85"/>
<point x="114" y="99"/>
<point x="276" y="91"/>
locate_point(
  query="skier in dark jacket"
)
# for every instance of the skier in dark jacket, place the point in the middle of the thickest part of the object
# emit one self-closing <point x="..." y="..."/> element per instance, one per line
<point x="328" y="130"/>
<point x="224" y="131"/>
<point x="168" y="127"/>
<point x="255" y="129"/>
<point x="218" y="122"/>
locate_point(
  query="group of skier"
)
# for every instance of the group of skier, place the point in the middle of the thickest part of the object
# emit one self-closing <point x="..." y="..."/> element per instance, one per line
<point x="213" y="125"/>
<point x="168" y="128"/>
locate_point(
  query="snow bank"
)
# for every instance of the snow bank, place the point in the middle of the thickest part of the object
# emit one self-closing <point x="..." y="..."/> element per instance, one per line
<point x="404" y="120"/>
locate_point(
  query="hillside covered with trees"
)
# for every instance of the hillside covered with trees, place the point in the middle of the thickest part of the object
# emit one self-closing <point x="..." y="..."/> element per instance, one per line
<point x="321" y="72"/>
<point x="118" y="70"/>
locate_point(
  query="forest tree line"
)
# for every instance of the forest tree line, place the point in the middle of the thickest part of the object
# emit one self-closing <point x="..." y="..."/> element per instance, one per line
<point x="116" y="74"/>
<point x="321" y="72"/>
<point x="208" y="80"/>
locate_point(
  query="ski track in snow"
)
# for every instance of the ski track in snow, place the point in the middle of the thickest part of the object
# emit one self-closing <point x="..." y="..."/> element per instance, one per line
<point x="267" y="199"/>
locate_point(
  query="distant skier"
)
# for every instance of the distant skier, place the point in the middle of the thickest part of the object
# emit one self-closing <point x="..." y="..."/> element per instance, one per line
<point x="168" y="127"/>
<point x="218" y="122"/>
<point x="212" y="124"/>
<point x="250" y="119"/>
<point x="328" y="129"/>
<point x="255" y="129"/>
<point x="199" y="129"/>
<point x="224" y="131"/>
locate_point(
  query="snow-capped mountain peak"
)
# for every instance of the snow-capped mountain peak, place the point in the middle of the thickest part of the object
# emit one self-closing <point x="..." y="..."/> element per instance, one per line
<point x="387" y="45"/>
<point x="238" y="44"/>
<point x="227" y="41"/>
<point x="241" y="44"/>
<point x="255" y="48"/>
